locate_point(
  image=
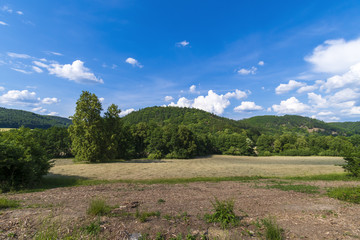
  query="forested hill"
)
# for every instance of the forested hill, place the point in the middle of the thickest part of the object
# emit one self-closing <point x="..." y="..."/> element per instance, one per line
<point x="349" y="127"/>
<point x="197" y="120"/>
<point x="11" y="118"/>
<point x="292" y="123"/>
<point x="204" y="122"/>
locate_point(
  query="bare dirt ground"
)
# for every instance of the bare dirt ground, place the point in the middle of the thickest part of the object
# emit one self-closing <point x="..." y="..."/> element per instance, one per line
<point x="212" y="166"/>
<point x="301" y="215"/>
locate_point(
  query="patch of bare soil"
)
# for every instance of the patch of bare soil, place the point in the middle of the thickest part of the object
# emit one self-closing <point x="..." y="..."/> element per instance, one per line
<point x="182" y="208"/>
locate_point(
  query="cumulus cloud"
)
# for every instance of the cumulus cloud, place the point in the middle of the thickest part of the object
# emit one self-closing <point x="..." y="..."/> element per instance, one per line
<point x="245" y="71"/>
<point x="261" y="63"/>
<point x="287" y="87"/>
<point x="212" y="102"/>
<point x="126" y="112"/>
<point x="2" y="89"/>
<point x="101" y="99"/>
<point x="168" y="98"/>
<point x="133" y="62"/>
<point x="352" y="77"/>
<point x="335" y="56"/>
<point x="182" y="43"/>
<point x="311" y="88"/>
<point x="18" y="55"/>
<point x="24" y="98"/>
<point x="76" y="72"/>
<point x="325" y="113"/>
<point x="53" y="113"/>
<point x="3" y="23"/>
<point x="49" y="100"/>
<point x="247" y="106"/>
<point x="192" y="89"/>
<point x="317" y="100"/>
<point x="290" y="106"/>
<point x="344" y="95"/>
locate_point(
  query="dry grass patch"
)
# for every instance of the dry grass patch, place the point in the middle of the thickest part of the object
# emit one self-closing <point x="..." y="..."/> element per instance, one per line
<point x="212" y="166"/>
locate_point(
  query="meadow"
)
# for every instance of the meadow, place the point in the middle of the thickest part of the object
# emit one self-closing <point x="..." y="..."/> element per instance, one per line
<point x="211" y="166"/>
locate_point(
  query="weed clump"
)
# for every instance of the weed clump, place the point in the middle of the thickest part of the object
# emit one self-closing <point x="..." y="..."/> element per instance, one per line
<point x="348" y="194"/>
<point x="223" y="214"/>
<point x="98" y="207"/>
<point x="272" y="229"/>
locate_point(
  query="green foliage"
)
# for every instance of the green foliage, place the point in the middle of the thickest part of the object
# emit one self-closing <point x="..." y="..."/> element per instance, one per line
<point x="143" y="216"/>
<point x="272" y="229"/>
<point x="223" y="214"/>
<point x="87" y="133"/>
<point x="23" y="161"/>
<point x="93" y="228"/>
<point x="98" y="207"/>
<point x="352" y="165"/>
<point x="11" y="118"/>
<point x="8" y="203"/>
<point x="348" y="194"/>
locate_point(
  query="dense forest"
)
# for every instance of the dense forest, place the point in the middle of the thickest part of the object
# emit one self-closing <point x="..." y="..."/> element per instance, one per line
<point x="11" y="118"/>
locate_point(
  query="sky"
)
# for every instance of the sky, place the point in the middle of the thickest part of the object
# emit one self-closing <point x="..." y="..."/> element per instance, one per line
<point x="236" y="59"/>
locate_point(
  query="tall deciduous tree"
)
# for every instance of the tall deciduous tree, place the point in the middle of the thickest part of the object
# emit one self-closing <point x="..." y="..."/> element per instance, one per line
<point x="113" y="128"/>
<point x="87" y="133"/>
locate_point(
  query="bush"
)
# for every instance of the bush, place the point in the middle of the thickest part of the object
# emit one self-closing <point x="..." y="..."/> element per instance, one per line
<point x="98" y="207"/>
<point x="223" y="214"/>
<point x="23" y="161"/>
<point x="272" y="229"/>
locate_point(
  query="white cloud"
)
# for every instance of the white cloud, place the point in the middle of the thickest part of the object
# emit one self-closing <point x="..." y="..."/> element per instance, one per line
<point x="344" y="95"/>
<point x="212" y="102"/>
<point x="53" y="113"/>
<point x="126" y="112"/>
<point x="75" y="72"/>
<point x="238" y="94"/>
<point x="290" y="106"/>
<point x="335" y="56"/>
<point x="21" y="70"/>
<point x="261" y="63"/>
<point x="2" y="88"/>
<point x="23" y="97"/>
<point x="182" y="102"/>
<point x="317" y="100"/>
<point x="182" y="44"/>
<point x="20" y="12"/>
<point x="50" y="100"/>
<point x="37" y="69"/>
<point x="56" y="53"/>
<point x="6" y="9"/>
<point x="3" y="23"/>
<point x="18" y="55"/>
<point x="192" y="89"/>
<point x="168" y="98"/>
<point x="287" y="87"/>
<point x="352" y="77"/>
<point x="245" y="71"/>
<point x="247" y="106"/>
<point x="133" y="62"/>
<point x="325" y="113"/>
<point x="101" y="99"/>
<point x="311" y="88"/>
<point x="40" y="64"/>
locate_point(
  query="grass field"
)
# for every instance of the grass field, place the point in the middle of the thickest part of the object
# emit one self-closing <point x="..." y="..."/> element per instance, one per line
<point x="212" y="166"/>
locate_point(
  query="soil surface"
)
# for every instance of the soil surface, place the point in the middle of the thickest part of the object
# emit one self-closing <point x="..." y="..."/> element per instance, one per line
<point x="63" y="212"/>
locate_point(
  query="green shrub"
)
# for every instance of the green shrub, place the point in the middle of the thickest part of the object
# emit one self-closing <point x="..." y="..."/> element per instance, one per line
<point x="223" y="213"/>
<point x="272" y="229"/>
<point x="23" y="161"/>
<point x="348" y="194"/>
<point x="8" y="203"/>
<point x="98" y="207"/>
<point x="93" y="228"/>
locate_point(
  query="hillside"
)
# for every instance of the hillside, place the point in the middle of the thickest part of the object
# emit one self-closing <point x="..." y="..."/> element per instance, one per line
<point x="197" y="120"/>
<point x="11" y="118"/>
<point x="349" y="127"/>
<point x="204" y="122"/>
<point x="292" y="123"/>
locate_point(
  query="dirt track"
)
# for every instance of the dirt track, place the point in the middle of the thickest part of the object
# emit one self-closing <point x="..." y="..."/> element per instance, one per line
<point x="301" y="215"/>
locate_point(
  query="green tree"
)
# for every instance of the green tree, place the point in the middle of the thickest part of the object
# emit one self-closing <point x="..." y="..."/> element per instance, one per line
<point x="113" y="128"/>
<point x="87" y="133"/>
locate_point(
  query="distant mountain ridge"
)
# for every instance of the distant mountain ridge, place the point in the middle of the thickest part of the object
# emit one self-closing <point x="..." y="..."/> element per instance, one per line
<point x="12" y="118"/>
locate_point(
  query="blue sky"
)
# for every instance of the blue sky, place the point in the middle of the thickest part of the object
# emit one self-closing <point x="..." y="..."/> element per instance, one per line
<point x="236" y="59"/>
